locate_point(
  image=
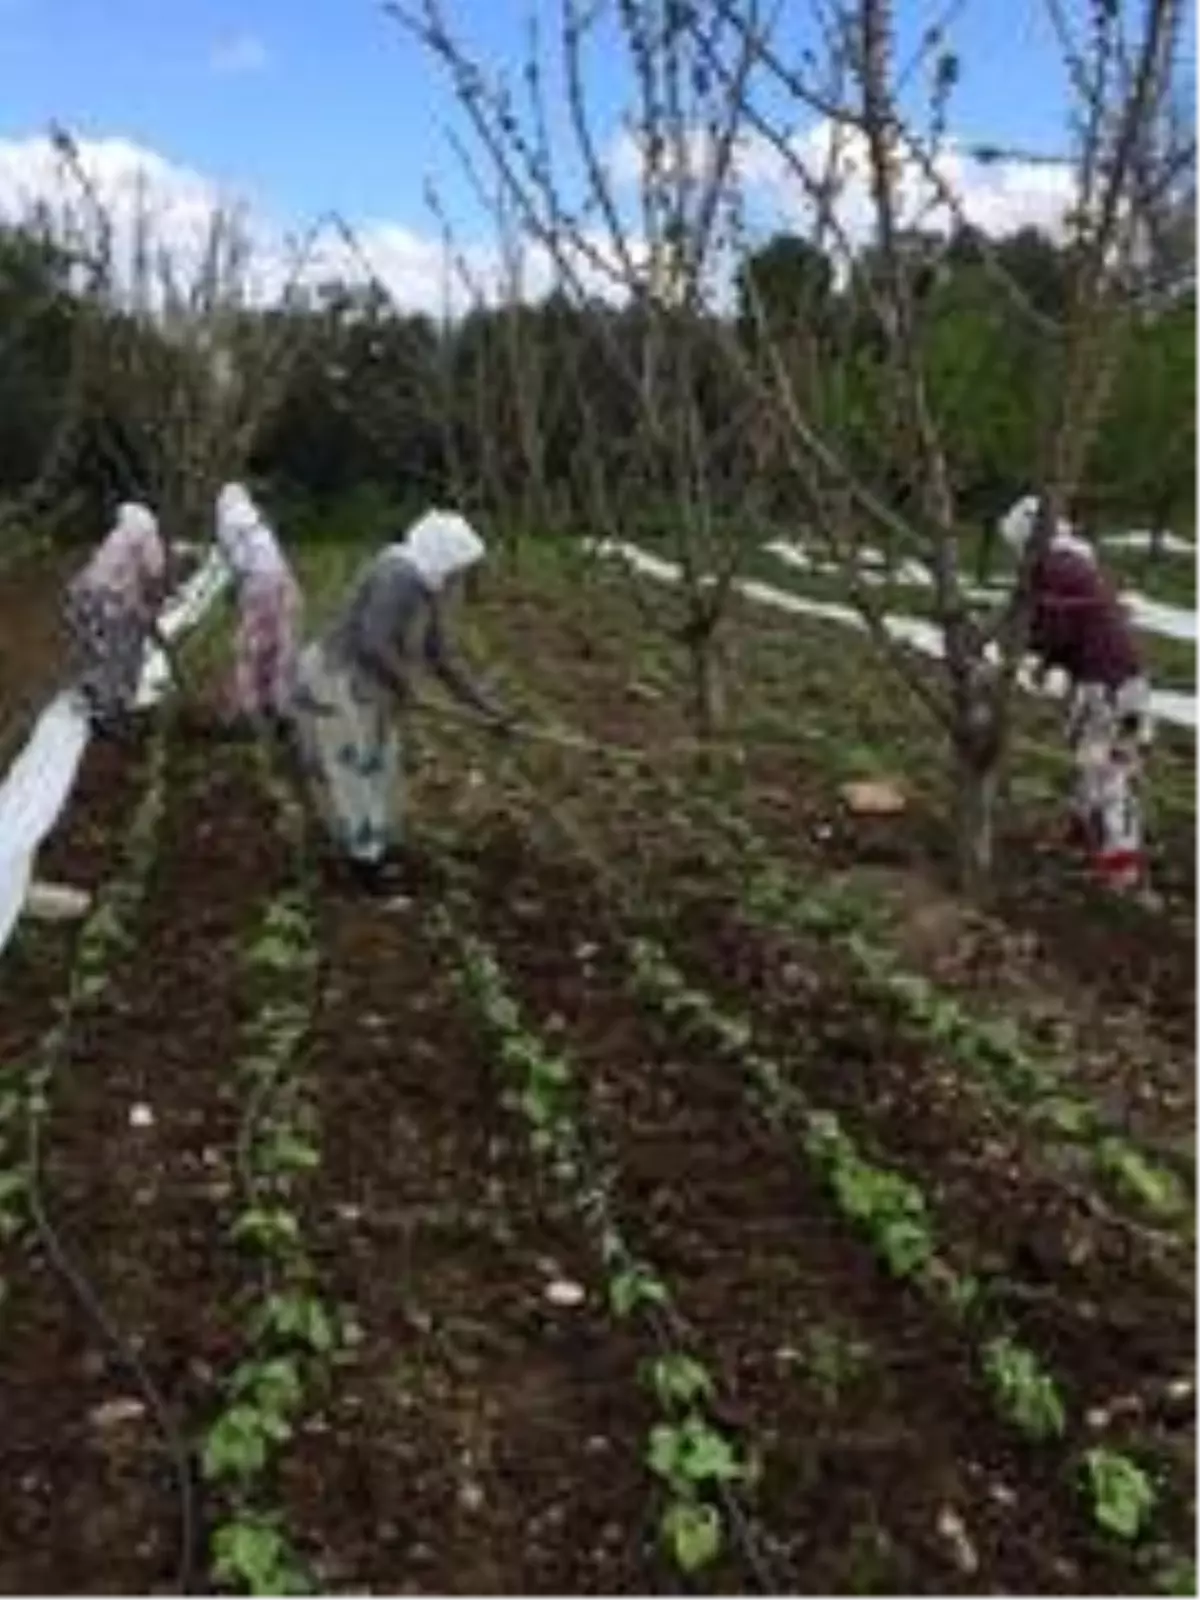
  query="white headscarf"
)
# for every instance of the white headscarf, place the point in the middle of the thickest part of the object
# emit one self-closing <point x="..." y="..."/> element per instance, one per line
<point x="439" y="545"/>
<point x="137" y="520"/>
<point x="244" y="538"/>
<point x="1017" y="525"/>
<point x="131" y="556"/>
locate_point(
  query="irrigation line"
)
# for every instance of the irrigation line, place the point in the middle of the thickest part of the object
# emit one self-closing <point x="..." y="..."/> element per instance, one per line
<point x="671" y="1333"/>
<point x="89" y="1300"/>
<point x="278" y="1084"/>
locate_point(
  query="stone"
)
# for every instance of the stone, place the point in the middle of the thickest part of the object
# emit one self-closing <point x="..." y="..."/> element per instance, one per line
<point x="56" y="902"/>
<point x="874" y="798"/>
<point x="562" y="1292"/>
<point x="114" y="1413"/>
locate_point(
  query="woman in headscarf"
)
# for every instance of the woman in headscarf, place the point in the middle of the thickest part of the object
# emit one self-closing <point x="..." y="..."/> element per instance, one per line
<point x="110" y="610"/>
<point x="358" y="676"/>
<point x="1080" y="626"/>
<point x="269" y="606"/>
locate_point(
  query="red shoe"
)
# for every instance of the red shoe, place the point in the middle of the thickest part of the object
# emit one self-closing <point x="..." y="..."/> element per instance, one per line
<point x="1122" y="870"/>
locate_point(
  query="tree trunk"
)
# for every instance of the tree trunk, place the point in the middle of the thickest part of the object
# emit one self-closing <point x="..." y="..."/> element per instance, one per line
<point x="1152" y="558"/>
<point x="976" y="785"/>
<point x="707" y="685"/>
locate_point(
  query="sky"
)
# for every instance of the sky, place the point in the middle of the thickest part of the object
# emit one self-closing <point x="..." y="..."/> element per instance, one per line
<point x="301" y="106"/>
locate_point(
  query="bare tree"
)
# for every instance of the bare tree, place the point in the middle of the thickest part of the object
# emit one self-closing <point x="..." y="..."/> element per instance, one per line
<point x="661" y="257"/>
<point x="183" y="354"/>
<point x="707" y="79"/>
<point x="1126" y="153"/>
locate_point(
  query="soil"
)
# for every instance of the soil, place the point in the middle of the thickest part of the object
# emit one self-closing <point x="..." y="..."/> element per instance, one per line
<point x="475" y="1436"/>
<point x="89" y="1504"/>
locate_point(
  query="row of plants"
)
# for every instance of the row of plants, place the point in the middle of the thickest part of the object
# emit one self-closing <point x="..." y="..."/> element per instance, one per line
<point x="698" y="1466"/>
<point x="893" y="1215"/>
<point x="292" y="1335"/>
<point x="1121" y="1493"/>
<point x="1001" y="1062"/>
<point x="107" y="933"/>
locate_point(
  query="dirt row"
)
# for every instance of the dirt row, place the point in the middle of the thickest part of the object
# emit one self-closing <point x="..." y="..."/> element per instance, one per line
<point x="759" y="1260"/>
<point x="479" y="1438"/>
<point x="1114" y="986"/>
<point x="1108" y="1305"/>
<point x="82" y="851"/>
<point x="88" y="1497"/>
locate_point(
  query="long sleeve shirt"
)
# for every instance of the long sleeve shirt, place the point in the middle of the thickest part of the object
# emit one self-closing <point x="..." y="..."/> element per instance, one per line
<point x="1079" y="623"/>
<point x="391" y="611"/>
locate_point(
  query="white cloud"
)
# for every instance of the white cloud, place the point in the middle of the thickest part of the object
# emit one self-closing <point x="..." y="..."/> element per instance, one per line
<point x="125" y="180"/>
<point x="240" y="53"/>
<point x="998" y="197"/>
<point x="129" y="179"/>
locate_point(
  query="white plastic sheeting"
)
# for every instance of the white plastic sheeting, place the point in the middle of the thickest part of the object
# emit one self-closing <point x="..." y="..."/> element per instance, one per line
<point x="40" y="780"/>
<point x="33" y="795"/>
<point x="1154" y="617"/>
<point x="1143" y="539"/>
<point x="1159" y="619"/>
<point x="872" y="564"/>
<point x="1167" y="704"/>
<point x="181" y="612"/>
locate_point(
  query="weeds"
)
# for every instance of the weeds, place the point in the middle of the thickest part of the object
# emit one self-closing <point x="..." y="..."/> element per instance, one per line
<point x="831" y="1361"/>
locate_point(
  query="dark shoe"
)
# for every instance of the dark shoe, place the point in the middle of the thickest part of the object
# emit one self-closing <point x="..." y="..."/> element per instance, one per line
<point x="368" y="877"/>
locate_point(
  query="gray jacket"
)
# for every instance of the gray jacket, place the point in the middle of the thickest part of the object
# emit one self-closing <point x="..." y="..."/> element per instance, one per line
<point x="391" y="611"/>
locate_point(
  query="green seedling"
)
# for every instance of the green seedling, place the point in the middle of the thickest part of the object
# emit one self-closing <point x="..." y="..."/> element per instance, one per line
<point x="1143" y="1181"/>
<point x="251" y="1555"/>
<point x="889" y="1208"/>
<point x="635" y="1287"/>
<point x="692" y="1532"/>
<point x="1025" y="1393"/>
<point x="297" y="1317"/>
<point x="239" y="1443"/>
<point x="1122" y="1495"/>
<point x="271" y="1229"/>
<point x="679" y="1380"/>
<point x="281" y="1151"/>
<point x="692" y="1458"/>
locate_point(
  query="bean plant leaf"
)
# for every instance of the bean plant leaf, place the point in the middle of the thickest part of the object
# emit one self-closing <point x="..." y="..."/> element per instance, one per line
<point x="693" y="1533"/>
<point x="1123" y="1496"/>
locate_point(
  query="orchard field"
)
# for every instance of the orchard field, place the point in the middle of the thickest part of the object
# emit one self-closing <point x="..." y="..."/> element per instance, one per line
<point x="671" y="1187"/>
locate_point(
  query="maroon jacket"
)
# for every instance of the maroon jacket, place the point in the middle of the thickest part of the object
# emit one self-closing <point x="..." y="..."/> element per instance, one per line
<point x="1079" y="623"/>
